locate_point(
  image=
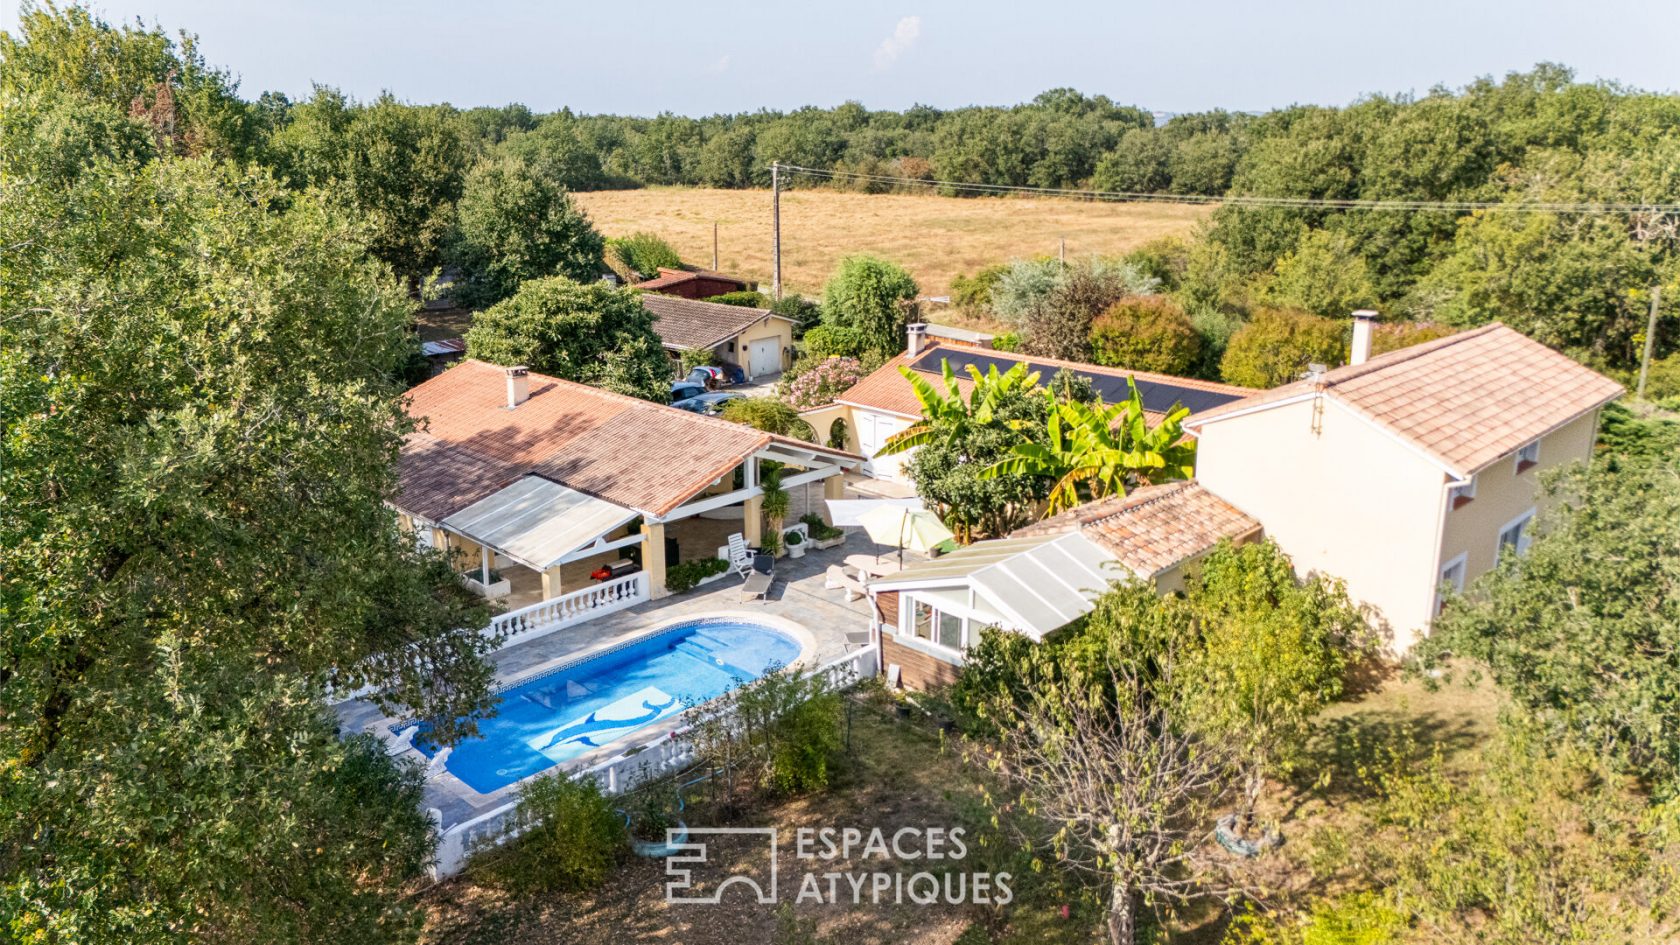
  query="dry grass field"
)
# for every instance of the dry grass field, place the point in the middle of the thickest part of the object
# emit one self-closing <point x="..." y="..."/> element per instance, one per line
<point x="934" y="237"/>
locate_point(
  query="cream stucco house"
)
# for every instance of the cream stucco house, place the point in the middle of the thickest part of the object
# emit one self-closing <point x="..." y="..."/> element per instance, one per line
<point x="1400" y="474"/>
<point x="756" y="339"/>
<point x="1406" y="471"/>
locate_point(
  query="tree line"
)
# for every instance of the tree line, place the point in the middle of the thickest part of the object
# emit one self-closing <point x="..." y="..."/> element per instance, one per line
<point x="433" y="184"/>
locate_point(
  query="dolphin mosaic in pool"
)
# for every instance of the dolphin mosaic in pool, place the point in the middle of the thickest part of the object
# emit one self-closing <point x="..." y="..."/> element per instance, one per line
<point x="648" y="705"/>
<point x="576" y="709"/>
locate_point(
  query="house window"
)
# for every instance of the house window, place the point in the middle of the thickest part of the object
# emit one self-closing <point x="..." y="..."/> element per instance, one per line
<point x="921" y="626"/>
<point x="1515" y="536"/>
<point x="934" y="626"/>
<point x="950" y="631"/>
<point x="1462" y="493"/>
<point x="1528" y="457"/>
<point x="1452" y="575"/>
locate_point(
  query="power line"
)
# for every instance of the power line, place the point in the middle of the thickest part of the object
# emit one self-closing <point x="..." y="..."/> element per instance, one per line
<point x="1247" y="200"/>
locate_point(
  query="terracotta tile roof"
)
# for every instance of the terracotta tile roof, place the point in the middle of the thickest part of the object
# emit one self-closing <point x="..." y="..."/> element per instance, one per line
<point x="434" y="479"/>
<point x="691" y="323"/>
<point x="1466" y="400"/>
<point x="641" y="455"/>
<point x="886" y="390"/>
<point x="670" y="277"/>
<point x="1153" y="527"/>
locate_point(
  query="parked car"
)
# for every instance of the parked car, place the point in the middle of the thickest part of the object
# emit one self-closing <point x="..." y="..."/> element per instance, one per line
<point x="711" y="403"/>
<point x="704" y="375"/>
<point x="683" y="390"/>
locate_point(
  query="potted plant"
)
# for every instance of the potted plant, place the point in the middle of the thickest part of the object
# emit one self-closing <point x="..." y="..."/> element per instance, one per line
<point x="497" y="588"/>
<point x="795" y="544"/>
<point x="771" y="544"/>
<point x="774" y="505"/>
<point x="821" y="534"/>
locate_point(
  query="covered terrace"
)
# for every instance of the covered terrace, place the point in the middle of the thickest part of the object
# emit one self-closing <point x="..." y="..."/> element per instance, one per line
<point x="543" y="490"/>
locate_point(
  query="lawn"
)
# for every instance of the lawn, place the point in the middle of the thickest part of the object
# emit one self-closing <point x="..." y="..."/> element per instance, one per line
<point x="906" y="772"/>
<point x="934" y="237"/>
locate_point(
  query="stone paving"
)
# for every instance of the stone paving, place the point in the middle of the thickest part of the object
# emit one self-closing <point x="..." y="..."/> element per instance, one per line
<point x="797" y="595"/>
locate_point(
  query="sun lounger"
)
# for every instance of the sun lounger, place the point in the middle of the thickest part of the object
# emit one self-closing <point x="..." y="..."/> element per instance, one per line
<point x="756" y="586"/>
<point x="837" y="578"/>
<point x="396" y="740"/>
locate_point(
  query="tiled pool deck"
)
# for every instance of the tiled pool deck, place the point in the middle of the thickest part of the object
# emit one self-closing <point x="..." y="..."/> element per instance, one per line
<point x="796" y="595"/>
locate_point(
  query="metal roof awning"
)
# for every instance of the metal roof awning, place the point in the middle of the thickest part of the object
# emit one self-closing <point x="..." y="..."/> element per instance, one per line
<point x="536" y="521"/>
<point x="1039" y="583"/>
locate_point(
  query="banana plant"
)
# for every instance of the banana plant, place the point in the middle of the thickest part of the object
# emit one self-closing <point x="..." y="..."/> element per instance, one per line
<point x="1096" y="450"/>
<point x="946" y="415"/>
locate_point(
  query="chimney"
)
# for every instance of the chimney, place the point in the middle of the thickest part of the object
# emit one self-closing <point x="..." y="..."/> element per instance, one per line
<point x="1363" y="320"/>
<point x="917" y="332"/>
<point x="518" y="385"/>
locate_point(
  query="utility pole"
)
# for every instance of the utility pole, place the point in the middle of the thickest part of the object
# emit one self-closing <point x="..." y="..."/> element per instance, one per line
<point x="1650" y="340"/>
<point x="714" y="246"/>
<point x="776" y="229"/>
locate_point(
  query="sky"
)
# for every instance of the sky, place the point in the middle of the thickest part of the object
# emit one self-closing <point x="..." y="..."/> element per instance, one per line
<point x="699" y="58"/>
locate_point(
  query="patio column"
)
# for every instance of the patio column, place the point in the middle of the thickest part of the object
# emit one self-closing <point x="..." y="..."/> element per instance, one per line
<point x="551" y="583"/>
<point x="752" y="520"/>
<point x="834" y="487"/>
<point x="653" y="558"/>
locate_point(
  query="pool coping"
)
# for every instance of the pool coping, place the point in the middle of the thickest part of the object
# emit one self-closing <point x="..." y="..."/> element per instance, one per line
<point x="802" y="636"/>
<point x="660" y="729"/>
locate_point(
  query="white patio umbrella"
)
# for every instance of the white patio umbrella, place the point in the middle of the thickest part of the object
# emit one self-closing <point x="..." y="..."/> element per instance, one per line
<point x="916" y="529"/>
<point x="850" y="512"/>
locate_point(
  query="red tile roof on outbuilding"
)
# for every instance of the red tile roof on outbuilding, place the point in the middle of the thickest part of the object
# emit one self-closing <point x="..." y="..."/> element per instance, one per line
<point x="672" y="277"/>
<point x="1153" y="528"/>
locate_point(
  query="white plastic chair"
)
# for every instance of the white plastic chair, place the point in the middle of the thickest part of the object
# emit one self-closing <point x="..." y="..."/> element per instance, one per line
<point x="740" y="557"/>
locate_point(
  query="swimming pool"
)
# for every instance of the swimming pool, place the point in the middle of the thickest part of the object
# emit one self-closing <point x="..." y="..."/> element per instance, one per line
<point x="575" y="709"/>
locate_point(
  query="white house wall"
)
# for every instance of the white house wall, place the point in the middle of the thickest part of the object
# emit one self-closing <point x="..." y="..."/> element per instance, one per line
<point x="1350" y="500"/>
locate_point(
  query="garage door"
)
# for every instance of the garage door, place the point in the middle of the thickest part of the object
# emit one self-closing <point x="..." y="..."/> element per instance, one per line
<point x="873" y="431"/>
<point x="765" y="357"/>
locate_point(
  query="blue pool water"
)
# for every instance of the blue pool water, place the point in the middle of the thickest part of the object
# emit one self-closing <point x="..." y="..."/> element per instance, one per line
<point x="576" y="709"/>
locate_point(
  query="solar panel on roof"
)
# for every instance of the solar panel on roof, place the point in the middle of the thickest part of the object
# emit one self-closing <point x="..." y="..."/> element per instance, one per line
<point x="1158" y="396"/>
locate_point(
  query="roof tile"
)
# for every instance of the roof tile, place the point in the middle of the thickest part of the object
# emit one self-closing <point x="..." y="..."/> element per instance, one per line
<point x="691" y="323"/>
<point x="637" y="454"/>
<point x="886" y="390"/>
<point x="1153" y="528"/>
<point x="1466" y="399"/>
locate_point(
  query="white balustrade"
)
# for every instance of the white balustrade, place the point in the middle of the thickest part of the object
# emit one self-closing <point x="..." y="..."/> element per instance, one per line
<point x="623" y="772"/>
<point x="543" y="617"/>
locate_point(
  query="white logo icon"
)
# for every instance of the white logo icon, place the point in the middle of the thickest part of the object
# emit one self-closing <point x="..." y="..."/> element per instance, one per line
<point x="682" y="887"/>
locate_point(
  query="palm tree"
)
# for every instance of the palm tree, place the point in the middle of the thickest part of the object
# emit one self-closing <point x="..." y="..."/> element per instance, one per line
<point x="946" y="415"/>
<point x="1096" y="450"/>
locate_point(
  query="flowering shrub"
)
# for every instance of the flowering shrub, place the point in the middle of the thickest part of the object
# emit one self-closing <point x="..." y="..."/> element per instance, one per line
<point x="823" y="382"/>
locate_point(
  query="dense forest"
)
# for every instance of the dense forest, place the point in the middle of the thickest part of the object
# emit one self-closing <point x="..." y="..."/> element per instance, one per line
<point x="1578" y="281"/>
